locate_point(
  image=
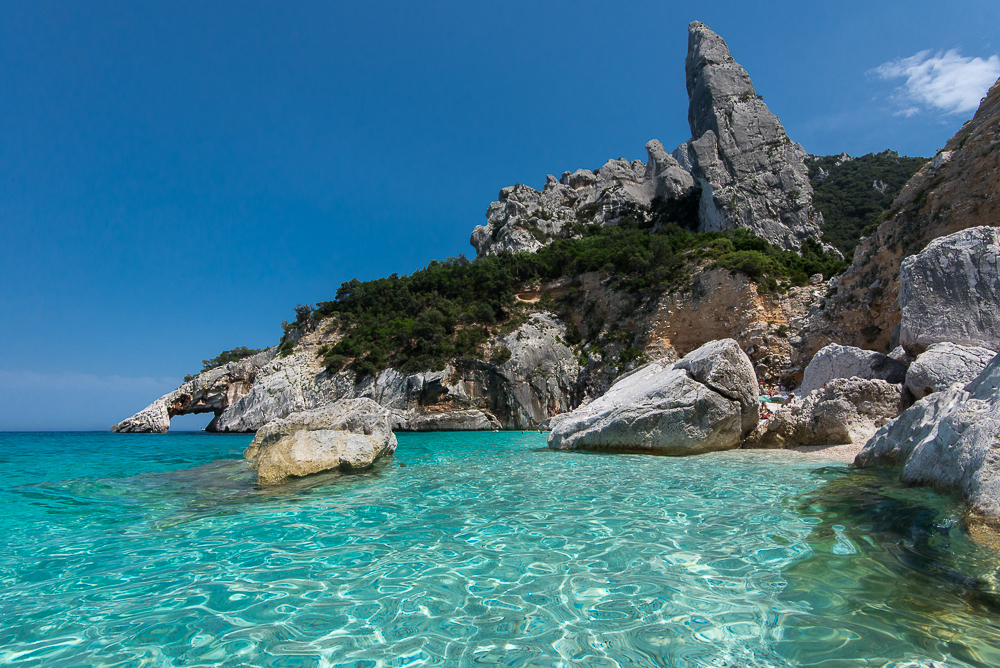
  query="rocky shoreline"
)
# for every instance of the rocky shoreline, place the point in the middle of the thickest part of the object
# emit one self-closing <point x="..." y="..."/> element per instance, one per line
<point x="894" y="359"/>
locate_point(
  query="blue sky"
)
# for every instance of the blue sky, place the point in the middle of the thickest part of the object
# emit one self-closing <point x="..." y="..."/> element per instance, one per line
<point x="175" y="177"/>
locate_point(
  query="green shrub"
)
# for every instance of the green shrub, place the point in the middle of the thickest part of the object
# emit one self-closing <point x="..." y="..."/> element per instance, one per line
<point x="501" y="356"/>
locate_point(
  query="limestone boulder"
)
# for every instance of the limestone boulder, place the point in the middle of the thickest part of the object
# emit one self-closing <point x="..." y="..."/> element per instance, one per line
<point x="836" y="361"/>
<point x="943" y="365"/>
<point x="347" y="435"/>
<point x="949" y="440"/>
<point x="699" y="404"/>
<point x="950" y="292"/>
<point x="847" y="410"/>
<point x="466" y="420"/>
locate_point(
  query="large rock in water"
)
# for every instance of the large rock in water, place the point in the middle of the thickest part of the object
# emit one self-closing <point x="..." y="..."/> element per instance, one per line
<point x="750" y="173"/>
<point x="950" y="291"/>
<point x="705" y="402"/>
<point x="836" y="361"/>
<point x="346" y="435"/>
<point x="846" y="410"/>
<point x="943" y="365"/>
<point x="949" y="440"/>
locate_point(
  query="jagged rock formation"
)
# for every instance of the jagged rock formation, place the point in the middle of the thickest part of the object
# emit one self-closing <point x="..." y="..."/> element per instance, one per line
<point x="955" y="191"/>
<point x="739" y="164"/>
<point x="944" y="365"/>
<point x="703" y="403"/>
<point x="949" y="440"/>
<point x="539" y="380"/>
<point x="345" y="435"/>
<point x="846" y="410"/>
<point x="835" y="361"/>
<point x="212" y="391"/>
<point x="524" y="219"/>
<point x="750" y="173"/>
<point x="950" y="291"/>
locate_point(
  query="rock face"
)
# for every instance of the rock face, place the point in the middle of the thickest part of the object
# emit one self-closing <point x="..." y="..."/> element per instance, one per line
<point x="847" y="410"/>
<point x="213" y="391"/>
<point x="949" y="440"/>
<point x="524" y="219"/>
<point x="943" y="365"/>
<point x="705" y="402"/>
<point x="539" y="380"/>
<point x="346" y="435"/>
<point x="955" y="191"/>
<point x="750" y="173"/>
<point x="836" y="361"/>
<point x="950" y="291"/>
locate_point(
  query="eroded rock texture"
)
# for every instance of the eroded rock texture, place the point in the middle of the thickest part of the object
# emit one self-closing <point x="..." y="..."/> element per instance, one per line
<point x="524" y="219"/>
<point x="750" y="173"/>
<point x="949" y="440"/>
<point x="703" y="403"/>
<point x="836" y="361"/>
<point x="943" y="365"/>
<point x="846" y="410"/>
<point x="950" y="292"/>
<point x="345" y="435"/>
<point x="957" y="190"/>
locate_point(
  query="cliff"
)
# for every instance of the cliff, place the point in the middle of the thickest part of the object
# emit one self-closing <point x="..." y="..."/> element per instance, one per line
<point x="956" y="190"/>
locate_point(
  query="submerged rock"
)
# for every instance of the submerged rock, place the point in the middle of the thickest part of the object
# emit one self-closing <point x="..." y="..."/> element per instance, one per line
<point x="949" y="440"/>
<point x="704" y="402"/>
<point x="346" y="435"/>
<point x="950" y="292"/>
<point x="836" y="361"/>
<point x="943" y="365"/>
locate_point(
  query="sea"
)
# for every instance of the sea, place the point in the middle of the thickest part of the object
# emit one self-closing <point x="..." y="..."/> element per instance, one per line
<point x="473" y="549"/>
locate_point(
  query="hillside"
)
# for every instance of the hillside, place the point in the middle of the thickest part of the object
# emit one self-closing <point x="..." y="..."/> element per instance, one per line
<point x="851" y="193"/>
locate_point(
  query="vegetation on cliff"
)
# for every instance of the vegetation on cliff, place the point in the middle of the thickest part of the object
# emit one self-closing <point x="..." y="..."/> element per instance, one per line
<point x="225" y="357"/>
<point x="449" y="309"/>
<point x="852" y="192"/>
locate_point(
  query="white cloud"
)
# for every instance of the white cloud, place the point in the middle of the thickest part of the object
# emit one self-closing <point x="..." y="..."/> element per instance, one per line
<point x="946" y="82"/>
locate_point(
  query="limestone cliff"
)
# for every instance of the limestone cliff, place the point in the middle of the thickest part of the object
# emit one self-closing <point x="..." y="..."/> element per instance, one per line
<point x="750" y="173"/>
<point x="957" y="190"/>
<point x="739" y="163"/>
<point x="524" y="219"/>
<point x="537" y="381"/>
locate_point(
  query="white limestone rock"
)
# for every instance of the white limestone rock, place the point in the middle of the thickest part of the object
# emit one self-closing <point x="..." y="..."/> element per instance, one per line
<point x="836" y="361"/>
<point x="950" y="292"/>
<point x="847" y="410"/>
<point x="949" y="440"/>
<point x="346" y="435"/>
<point x="750" y="173"/>
<point x="699" y="404"/>
<point x="943" y="365"/>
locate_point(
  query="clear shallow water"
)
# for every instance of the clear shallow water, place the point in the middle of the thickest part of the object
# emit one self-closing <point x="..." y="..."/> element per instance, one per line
<point x="130" y="550"/>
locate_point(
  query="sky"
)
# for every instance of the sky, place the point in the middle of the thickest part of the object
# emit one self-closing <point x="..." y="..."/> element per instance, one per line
<point x="176" y="177"/>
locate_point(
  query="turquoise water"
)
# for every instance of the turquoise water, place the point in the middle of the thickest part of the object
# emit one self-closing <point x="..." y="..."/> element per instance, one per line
<point x="485" y="548"/>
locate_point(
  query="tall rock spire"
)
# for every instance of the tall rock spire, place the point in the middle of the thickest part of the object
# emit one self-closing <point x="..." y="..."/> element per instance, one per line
<point x="751" y="174"/>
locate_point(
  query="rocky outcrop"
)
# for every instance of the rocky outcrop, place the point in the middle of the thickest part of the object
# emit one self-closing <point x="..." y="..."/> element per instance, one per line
<point x="950" y="292"/>
<point x="750" y="173"/>
<point x="955" y="191"/>
<point x="703" y="403"/>
<point x="949" y="440"/>
<point x="525" y="219"/>
<point x="944" y="365"/>
<point x="212" y="391"/>
<point x="836" y="361"/>
<point x="537" y="381"/>
<point x="346" y="435"/>
<point x="846" y="410"/>
<point x="468" y="420"/>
